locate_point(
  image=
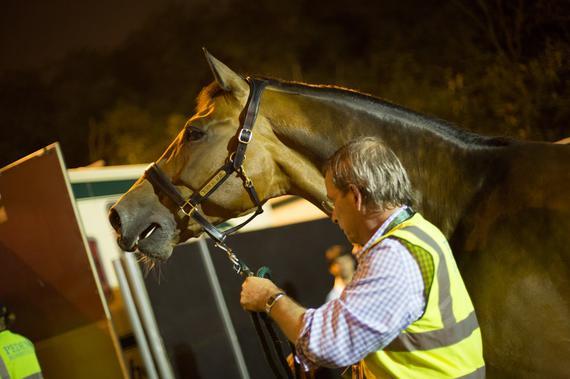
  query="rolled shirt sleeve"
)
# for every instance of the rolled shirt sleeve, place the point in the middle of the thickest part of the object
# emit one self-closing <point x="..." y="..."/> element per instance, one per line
<point x="384" y="297"/>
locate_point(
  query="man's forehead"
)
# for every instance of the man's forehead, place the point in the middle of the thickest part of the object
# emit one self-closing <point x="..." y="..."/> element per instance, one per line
<point x="328" y="180"/>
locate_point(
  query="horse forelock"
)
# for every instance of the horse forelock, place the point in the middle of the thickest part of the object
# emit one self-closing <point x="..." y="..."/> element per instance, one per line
<point x="207" y="95"/>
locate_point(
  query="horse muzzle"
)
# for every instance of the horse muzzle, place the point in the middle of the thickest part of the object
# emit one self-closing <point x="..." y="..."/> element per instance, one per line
<point x="150" y="230"/>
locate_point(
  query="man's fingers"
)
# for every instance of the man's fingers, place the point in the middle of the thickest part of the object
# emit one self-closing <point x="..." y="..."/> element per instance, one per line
<point x="255" y="292"/>
<point x="245" y="297"/>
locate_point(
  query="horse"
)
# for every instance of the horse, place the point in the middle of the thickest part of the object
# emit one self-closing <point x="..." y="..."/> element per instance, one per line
<point x="502" y="203"/>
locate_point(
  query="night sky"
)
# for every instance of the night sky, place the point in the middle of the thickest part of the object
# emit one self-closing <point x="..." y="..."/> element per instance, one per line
<point x="34" y="33"/>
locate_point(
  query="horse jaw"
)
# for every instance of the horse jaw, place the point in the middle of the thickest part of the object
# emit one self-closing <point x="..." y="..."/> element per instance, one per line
<point x="302" y="177"/>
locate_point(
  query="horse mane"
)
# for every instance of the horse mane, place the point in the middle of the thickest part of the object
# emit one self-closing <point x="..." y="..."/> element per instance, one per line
<point x="382" y="109"/>
<point x="388" y="111"/>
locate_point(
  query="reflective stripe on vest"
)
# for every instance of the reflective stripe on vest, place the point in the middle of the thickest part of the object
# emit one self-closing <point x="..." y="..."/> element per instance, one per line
<point x="453" y="331"/>
<point x="436" y="338"/>
<point x="3" y="370"/>
<point x="435" y="345"/>
<point x="477" y="374"/>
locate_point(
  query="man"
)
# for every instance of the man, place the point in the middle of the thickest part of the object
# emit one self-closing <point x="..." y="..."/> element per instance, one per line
<point x="17" y="354"/>
<point x="406" y="312"/>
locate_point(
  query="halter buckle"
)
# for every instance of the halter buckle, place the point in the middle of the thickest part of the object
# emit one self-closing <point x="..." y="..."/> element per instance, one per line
<point x="245" y="136"/>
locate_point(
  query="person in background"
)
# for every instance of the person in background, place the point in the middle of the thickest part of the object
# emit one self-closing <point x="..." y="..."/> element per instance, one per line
<point x="17" y="354"/>
<point x="406" y="313"/>
<point x="341" y="266"/>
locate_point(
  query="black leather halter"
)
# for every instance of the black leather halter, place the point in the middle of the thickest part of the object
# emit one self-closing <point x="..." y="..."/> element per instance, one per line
<point x="233" y="164"/>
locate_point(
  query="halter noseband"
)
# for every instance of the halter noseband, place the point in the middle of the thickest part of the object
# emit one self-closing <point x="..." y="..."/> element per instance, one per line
<point x="234" y="163"/>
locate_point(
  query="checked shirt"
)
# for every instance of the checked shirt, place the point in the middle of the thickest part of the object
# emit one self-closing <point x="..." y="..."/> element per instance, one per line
<point x="384" y="297"/>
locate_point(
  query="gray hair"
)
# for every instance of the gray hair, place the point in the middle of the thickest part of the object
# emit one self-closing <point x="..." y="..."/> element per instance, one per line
<point x="374" y="169"/>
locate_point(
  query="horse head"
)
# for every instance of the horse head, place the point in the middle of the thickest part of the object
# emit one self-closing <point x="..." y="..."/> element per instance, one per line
<point x="146" y="219"/>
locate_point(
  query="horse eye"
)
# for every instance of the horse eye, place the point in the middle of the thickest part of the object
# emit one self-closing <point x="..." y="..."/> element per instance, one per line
<point x="194" y="134"/>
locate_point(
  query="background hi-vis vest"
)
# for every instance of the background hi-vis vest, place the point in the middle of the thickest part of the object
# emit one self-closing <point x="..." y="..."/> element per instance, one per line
<point x="446" y="341"/>
<point x="17" y="357"/>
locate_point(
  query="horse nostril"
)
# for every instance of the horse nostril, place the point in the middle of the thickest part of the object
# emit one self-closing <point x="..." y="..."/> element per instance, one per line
<point x="115" y="220"/>
<point x="126" y="244"/>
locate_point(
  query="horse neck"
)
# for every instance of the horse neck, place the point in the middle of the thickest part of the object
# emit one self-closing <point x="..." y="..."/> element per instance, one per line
<point x="446" y="166"/>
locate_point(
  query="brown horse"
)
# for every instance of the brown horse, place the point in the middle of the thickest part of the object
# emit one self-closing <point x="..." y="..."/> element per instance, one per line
<point x="503" y="204"/>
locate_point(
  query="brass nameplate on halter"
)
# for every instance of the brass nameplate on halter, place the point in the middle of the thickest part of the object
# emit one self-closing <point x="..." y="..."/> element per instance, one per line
<point x="215" y="180"/>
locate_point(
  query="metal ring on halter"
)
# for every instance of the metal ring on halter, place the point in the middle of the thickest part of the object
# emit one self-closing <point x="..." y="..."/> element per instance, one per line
<point x="232" y="155"/>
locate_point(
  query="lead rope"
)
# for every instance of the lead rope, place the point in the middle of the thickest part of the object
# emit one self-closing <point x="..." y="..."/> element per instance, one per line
<point x="261" y="320"/>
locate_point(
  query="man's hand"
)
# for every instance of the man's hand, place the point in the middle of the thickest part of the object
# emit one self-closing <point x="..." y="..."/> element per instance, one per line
<point x="286" y="313"/>
<point x="255" y="292"/>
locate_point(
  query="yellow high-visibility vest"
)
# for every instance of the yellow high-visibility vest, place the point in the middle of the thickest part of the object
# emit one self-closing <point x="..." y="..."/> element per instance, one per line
<point x="445" y="342"/>
<point x="18" y="357"/>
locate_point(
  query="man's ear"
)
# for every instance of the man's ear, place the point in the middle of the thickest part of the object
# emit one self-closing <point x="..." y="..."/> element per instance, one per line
<point x="226" y="78"/>
<point x="357" y="196"/>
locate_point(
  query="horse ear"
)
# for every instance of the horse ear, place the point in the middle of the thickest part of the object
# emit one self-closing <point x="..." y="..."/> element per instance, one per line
<point x="226" y="78"/>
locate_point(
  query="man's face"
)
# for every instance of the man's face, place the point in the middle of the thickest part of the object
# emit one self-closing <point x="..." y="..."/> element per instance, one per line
<point x="345" y="212"/>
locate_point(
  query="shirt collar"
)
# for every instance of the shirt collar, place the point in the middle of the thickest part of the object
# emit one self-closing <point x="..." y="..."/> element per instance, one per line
<point x="379" y="232"/>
